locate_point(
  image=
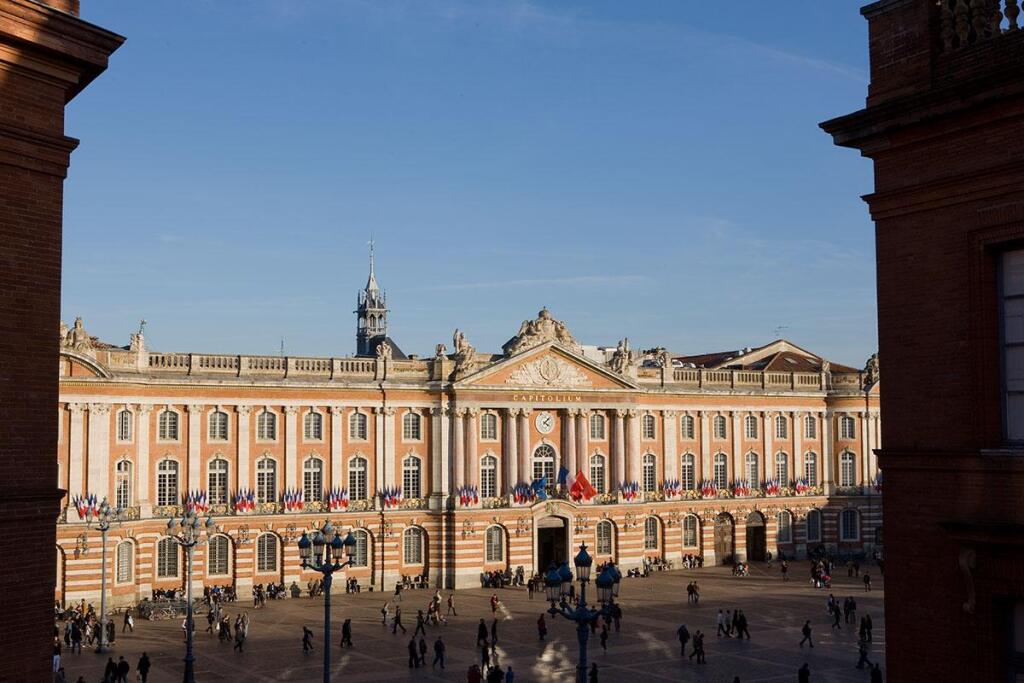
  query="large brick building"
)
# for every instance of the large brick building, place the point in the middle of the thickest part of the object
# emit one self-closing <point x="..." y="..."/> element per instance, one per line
<point x="736" y="454"/>
<point x="942" y="125"/>
<point x="47" y="56"/>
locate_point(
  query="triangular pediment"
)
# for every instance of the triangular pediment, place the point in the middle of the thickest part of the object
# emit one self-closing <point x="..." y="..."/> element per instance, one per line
<point x="546" y="366"/>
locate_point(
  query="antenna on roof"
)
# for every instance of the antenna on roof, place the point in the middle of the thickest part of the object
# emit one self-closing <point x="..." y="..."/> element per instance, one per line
<point x="779" y="329"/>
<point x="282" y="347"/>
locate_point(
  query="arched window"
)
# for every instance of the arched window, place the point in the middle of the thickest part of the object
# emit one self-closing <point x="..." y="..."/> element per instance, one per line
<point x="750" y="426"/>
<point x="266" y="553"/>
<point x="847" y="428"/>
<point x="412" y="545"/>
<point x="361" y="555"/>
<point x="489" y="427"/>
<point x="357" y="478"/>
<point x="167" y="483"/>
<point x="124" y="425"/>
<point x="648" y="426"/>
<point x="784" y="520"/>
<point x="597" y="470"/>
<point x="412" y="476"/>
<point x="688" y="472"/>
<point x="721" y="473"/>
<point x="690" y="531"/>
<point x="125" y="569"/>
<point x="166" y="558"/>
<point x="123" y="484"/>
<point x="719" y="427"/>
<point x="167" y="425"/>
<point x="597" y="427"/>
<point x="217" y="481"/>
<point x="847" y="469"/>
<point x="313" y="479"/>
<point x="411" y="427"/>
<point x="488" y="476"/>
<point x="782" y="468"/>
<point x="781" y="427"/>
<point x="218" y="552"/>
<point x="357" y="427"/>
<point x="266" y="480"/>
<point x="544" y="463"/>
<point x="752" y="470"/>
<point x="810" y="427"/>
<point x="811" y="468"/>
<point x="217" y="426"/>
<point x="604" y="537"/>
<point x="814" y="526"/>
<point x="650" y="474"/>
<point x="849" y="525"/>
<point x="313" y="426"/>
<point x="494" y="544"/>
<point x="686" y="429"/>
<point x="651" y="533"/>
<point x="266" y="426"/>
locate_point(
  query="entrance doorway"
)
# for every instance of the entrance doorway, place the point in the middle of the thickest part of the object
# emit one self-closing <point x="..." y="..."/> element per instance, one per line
<point x="552" y="542"/>
<point x="723" y="539"/>
<point x="757" y="546"/>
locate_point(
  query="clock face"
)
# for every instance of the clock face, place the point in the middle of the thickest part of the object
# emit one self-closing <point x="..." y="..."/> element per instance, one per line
<point x="545" y="422"/>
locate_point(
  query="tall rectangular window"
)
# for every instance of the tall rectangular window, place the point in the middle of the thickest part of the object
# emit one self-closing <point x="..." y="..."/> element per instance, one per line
<point x="1011" y="315"/>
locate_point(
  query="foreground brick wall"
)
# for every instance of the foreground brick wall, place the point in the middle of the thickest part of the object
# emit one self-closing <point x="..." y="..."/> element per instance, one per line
<point x="942" y="127"/>
<point x="48" y="57"/>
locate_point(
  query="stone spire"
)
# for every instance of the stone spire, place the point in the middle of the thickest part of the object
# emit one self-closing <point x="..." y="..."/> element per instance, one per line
<point x="371" y="313"/>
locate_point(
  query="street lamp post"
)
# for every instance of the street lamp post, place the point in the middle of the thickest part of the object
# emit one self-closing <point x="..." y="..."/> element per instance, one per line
<point x="188" y="532"/>
<point x="557" y="583"/>
<point x="312" y="551"/>
<point x="104" y="516"/>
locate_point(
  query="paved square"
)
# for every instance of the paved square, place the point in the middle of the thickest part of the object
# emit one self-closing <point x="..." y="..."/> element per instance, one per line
<point x="646" y="648"/>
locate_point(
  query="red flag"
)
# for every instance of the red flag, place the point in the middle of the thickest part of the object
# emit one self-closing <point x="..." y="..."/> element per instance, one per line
<point x="582" y="488"/>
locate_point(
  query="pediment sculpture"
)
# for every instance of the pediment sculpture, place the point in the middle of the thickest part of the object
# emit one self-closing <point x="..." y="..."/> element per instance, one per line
<point x="75" y="338"/>
<point x="545" y="328"/>
<point x="622" y="360"/>
<point x="548" y="372"/>
<point x="465" y="354"/>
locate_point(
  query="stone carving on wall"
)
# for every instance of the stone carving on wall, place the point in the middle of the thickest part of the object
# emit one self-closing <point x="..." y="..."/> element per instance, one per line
<point x="75" y="338"/>
<point x="465" y="354"/>
<point x="384" y="350"/>
<point x="871" y="371"/>
<point x="545" y="328"/>
<point x="548" y="371"/>
<point x="622" y="359"/>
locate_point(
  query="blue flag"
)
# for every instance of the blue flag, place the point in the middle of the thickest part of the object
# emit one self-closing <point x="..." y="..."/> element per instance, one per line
<point x="538" y="488"/>
<point x="563" y="477"/>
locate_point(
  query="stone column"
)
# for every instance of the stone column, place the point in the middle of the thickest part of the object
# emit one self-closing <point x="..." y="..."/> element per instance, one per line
<point x="195" y="414"/>
<point x="525" y="471"/>
<point x="76" y="460"/>
<point x="569" y="447"/>
<point x="827" y="448"/>
<point x="670" y="456"/>
<point x="705" y="447"/>
<point x="738" y="434"/>
<point x="440" y="457"/>
<point x="618" y="461"/>
<point x="633" y="446"/>
<point x="375" y="482"/>
<point x="242" y="438"/>
<point x="291" y="447"/>
<point x="769" y="448"/>
<point x="865" y="448"/>
<point x="797" y="460"/>
<point x="142" y="477"/>
<point x="459" y="446"/>
<point x="511" y="456"/>
<point x="582" y="445"/>
<point x="390" y="465"/>
<point x="98" y="480"/>
<point x="472" y="460"/>
<point x="337" y="464"/>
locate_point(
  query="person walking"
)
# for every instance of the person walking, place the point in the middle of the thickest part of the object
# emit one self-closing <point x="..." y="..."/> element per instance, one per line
<point x="803" y="675"/>
<point x="862" y="652"/>
<point x="784" y="568"/>
<point x="542" y="627"/>
<point x="143" y="667"/>
<point x="110" y="671"/>
<point x="397" y="623"/>
<point x="494" y="632"/>
<point x="384" y="613"/>
<point x="836" y="613"/>
<point x="123" y="669"/>
<point x="494" y="604"/>
<point x="698" y="647"/>
<point x="451" y="605"/>
<point x="398" y="591"/>
<point x="722" y="625"/>
<point x="420" y="627"/>
<point x="741" y="625"/>
<point x="867" y="581"/>
<point x="604" y="637"/>
<point x="876" y="673"/>
<point x="806" y="630"/>
<point x="485" y="656"/>
<point x="481" y="632"/>
<point x="346" y="633"/>
<point x="867" y="622"/>
<point x="210" y="619"/>
<point x="423" y="651"/>
<point x="616" y="615"/>
<point x="239" y="639"/>
<point x="509" y="676"/>
<point x="438" y="653"/>
<point x="684" y="637"/>
<point x="307" y="640"/>
<point x="129" y="622"/>
<point x="414" y="658"/>
<point x="592" y="678"/>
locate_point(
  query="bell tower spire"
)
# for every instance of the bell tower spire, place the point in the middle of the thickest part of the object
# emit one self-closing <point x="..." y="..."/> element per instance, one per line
<point x="371" y="312"/>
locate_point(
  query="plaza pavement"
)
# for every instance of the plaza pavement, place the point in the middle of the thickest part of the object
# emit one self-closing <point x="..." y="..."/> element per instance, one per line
<point x="646" y="649"/>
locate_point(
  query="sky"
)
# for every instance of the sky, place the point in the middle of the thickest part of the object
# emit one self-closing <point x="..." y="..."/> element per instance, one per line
<point x="650" y="170"/>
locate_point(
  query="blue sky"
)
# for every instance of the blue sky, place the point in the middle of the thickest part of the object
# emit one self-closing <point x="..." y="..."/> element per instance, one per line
<point x="644" y="169"/>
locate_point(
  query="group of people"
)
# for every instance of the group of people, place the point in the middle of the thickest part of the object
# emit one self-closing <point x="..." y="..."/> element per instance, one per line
<point x="500" y="579"/>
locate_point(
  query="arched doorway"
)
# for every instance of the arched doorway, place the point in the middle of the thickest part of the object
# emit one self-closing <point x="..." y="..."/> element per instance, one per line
<point x="552" y="542"/>
<point x="724" y="538"/>
<point x="757" y="546"/>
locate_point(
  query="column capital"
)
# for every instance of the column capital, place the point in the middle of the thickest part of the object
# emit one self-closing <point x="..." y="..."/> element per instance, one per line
<point x="290" y="410"/>
<point x="194" y="409"/>
<point x="621" y="413"/>
<point x="669" y="414"/>
<point x="99" y="408"/>
<point x="144" y="408"/>
<point x="337" y="410"/>
<point x="435" y="410"/>
<point x="78" y="408"/>
<point x="243" y="410"/>
<point x="524" y="412"/>
<point x="472" y="412"/>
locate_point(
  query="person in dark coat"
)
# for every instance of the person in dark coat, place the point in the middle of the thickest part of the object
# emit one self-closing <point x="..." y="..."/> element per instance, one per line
<point x="143" y="667"/>
<point x="346" y="633"/>
<point x="438" y="653"/>
<point x="684" y="637"/>
<point x="481" y="633"/>
<point x="414" y="657"/>
<point x="110" y="671"/>
<point x="804" y="674"/>
<point x="423" y="651"/>
<point x="123" y="669"/>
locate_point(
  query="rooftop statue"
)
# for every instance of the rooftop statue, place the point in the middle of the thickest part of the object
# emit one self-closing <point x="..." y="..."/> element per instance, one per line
<point x="622" y="359"/>
<point x="75" y="338"/>
<point x="533" y="332"/>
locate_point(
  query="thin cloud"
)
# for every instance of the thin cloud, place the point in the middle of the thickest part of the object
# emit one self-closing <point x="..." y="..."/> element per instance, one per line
<point x="581" y="280"/>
